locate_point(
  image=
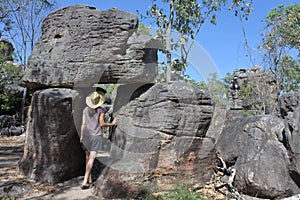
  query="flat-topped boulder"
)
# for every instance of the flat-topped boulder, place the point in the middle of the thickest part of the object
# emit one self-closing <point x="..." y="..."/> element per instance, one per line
<point x="81" y="45"/>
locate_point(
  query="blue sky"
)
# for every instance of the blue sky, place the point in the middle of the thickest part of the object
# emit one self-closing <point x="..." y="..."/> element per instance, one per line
<point x="223" y="44"/>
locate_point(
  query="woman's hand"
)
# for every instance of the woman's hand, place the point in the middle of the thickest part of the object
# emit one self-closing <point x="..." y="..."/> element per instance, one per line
<point x="114" y="122"/>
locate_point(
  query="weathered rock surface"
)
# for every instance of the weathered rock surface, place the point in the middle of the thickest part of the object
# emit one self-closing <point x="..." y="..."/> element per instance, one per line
<point x="290" y="110"/>
<point x="254" y="146"/>
<point x="173" y="108"/>
<point x="126" y="93"/>
<point x="288" y="103"/>
<point x="52" y="150"/>
<point x="159" y="141"/>
<point x="81" y="45"/>
<point x="253" y="90"/>
<point x="10" y="126"/>
<point x="216" y="125"/>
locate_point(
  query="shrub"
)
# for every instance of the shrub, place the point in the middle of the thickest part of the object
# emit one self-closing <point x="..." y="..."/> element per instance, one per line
<point x="9" y="91"/>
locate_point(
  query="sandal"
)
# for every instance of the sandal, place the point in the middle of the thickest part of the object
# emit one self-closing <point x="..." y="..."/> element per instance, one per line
<point x="84" y="187"/>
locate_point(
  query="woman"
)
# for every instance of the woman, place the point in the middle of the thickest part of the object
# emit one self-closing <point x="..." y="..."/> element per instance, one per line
<point x="91" y="132"/>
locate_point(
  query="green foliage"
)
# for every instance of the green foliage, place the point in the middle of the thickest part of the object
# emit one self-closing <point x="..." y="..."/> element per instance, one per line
<point x="6" y="50"/>
<point x="280" y="41"/>
<point x="110" y="88"/>
<point x="247" y="113"/>
<point x="289" y="73"/>
<point x="227" y="79"/>
<point x="22" y="21"/>
<point x="181" y="192"/>
<point x="216" y="88"/>
<point x="284" y="22"/>
<point x="247" y="91"/>
<point x="10" y="76"/>
<point x="187" y="17"/>
<point x="143" y="29"/>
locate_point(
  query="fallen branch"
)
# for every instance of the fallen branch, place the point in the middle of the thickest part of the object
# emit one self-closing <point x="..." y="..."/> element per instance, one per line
<point x="223" y="170"/>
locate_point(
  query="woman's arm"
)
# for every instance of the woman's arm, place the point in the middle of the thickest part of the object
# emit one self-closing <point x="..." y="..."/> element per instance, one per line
<point x="82" y="127"/>
<point x="103" y="123"/>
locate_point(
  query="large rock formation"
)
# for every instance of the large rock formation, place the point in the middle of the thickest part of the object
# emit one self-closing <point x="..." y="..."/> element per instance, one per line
<point x="175" y="108"/>
<point x="161" y="138"/>
<point x="255" y="147"/>
<point x="52" y="151"/>
<point x="159" y="141"/>
<point x="289" y="107"/>
<point x="254" y="91"/>
<point x="81" y="45"/>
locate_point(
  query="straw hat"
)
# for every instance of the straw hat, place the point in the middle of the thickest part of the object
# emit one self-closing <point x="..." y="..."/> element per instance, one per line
<point x="95" y="99"/>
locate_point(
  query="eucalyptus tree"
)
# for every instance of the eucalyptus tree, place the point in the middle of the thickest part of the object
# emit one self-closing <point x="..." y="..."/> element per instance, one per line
<point x="187" y="17"/>
<point x="216" y="88"/>
<point x="10" y="74"/>
<point x="22" y="21"/>
<point x="281" y="45"/>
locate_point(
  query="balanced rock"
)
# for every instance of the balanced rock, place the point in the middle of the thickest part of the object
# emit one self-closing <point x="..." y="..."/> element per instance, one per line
<point x="52" y="150"/>
<point x="81" y="45"/>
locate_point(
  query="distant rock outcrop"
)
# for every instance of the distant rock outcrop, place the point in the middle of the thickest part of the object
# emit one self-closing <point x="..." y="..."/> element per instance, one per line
<point x="81" y="46"/>
<point x="52" y="151"/>
<point x="253" y="90"/>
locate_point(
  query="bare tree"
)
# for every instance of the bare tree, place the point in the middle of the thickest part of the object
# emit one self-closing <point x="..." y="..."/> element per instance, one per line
<point x="22" y="20"/>
<point x="22" y="24"/>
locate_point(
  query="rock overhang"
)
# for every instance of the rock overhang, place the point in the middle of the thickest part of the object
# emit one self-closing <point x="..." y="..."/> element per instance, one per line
<point x="81" y="45"/>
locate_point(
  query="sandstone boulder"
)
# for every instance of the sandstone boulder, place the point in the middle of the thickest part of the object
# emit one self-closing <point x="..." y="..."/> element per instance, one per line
<point x="175" y="108"/>
<point x="288" y="103"/>
<point x="81" y="45"/>
<point x="159" y="141"/>
<point x="126" y="93"/>
<point x="290" y="110"/>
<point x="52" y="150"/>
<point x="254" y="146"/>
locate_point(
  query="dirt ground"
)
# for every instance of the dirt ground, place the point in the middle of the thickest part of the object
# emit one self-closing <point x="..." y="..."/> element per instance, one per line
<point x="14" y="185"/>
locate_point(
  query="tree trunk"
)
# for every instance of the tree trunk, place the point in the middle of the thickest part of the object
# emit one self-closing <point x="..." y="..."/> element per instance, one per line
<point x="23" y="106"/>
<point x="168" y="41"/>
<point x="183" y="55"/>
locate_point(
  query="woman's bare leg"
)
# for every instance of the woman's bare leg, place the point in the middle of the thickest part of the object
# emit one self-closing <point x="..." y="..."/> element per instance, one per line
<point x="89" y="166"/>
<point x="87" y="153"/>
